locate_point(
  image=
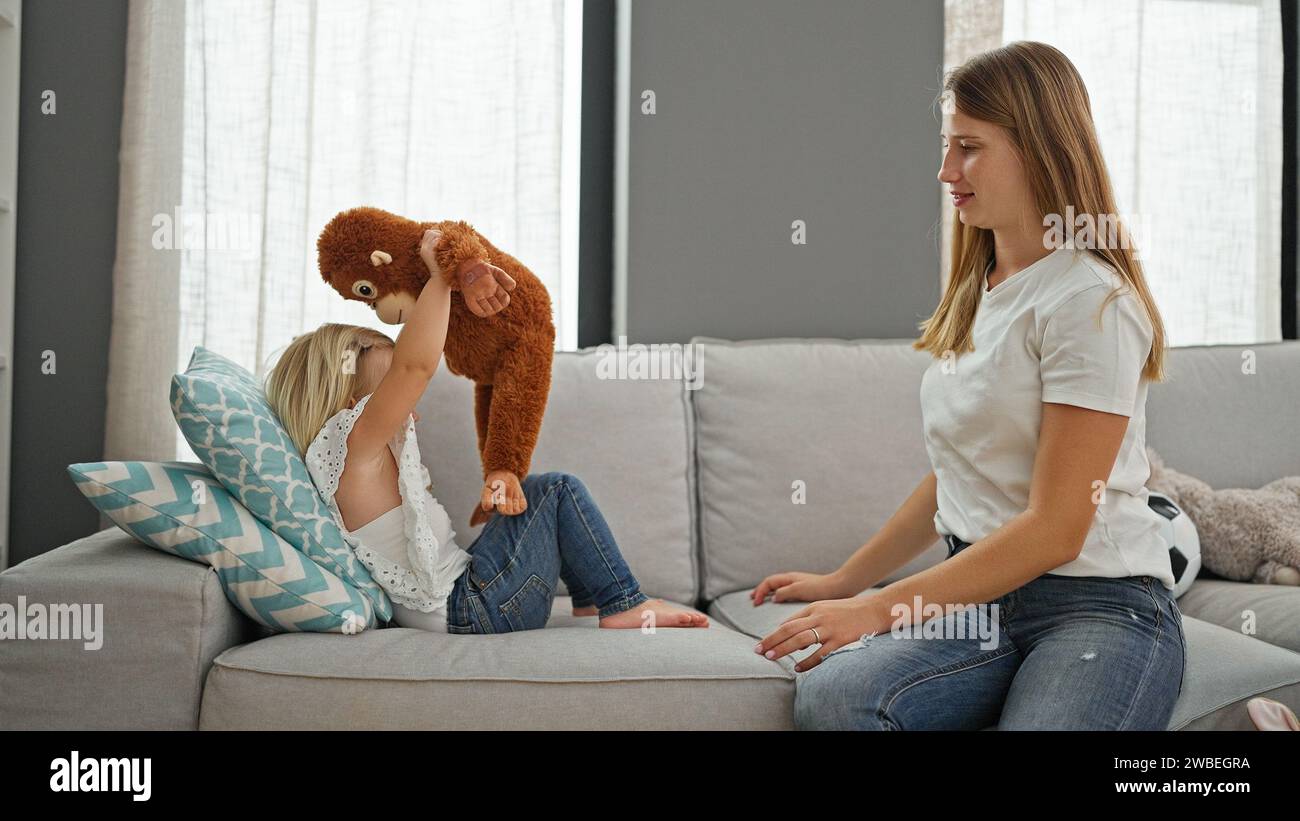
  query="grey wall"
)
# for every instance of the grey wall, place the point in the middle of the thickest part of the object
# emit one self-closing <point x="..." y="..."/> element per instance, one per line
<point x="770" y="111"/>
<point x="67" y="223"/>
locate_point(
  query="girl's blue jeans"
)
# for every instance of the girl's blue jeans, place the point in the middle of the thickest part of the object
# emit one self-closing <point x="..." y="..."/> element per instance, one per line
<point x="516" y="561"/>
<point x="1070" y="653"/>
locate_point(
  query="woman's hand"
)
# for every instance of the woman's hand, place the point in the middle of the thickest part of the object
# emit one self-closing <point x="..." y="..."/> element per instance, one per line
<point x="832" y="624"/>
<point x="794" y="586"/>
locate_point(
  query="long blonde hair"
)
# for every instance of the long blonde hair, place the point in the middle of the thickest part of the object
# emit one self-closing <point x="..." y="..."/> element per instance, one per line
<point x="318" y="374"/>
<point x="1035" y="94"/>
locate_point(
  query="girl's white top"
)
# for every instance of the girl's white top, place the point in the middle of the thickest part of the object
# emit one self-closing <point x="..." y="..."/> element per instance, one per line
<point x="416" y="565"/>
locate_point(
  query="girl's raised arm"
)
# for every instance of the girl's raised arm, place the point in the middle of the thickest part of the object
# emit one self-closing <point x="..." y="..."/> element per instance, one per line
<point x="415" y="359"/>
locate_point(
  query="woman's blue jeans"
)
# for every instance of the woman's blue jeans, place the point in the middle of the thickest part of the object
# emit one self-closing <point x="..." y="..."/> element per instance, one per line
<point x="516" y="561"/>
<point x="1070" y="653"/>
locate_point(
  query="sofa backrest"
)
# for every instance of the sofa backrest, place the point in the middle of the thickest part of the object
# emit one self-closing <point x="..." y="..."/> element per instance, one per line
<point x="1229" y="414"/>
<point x="792" y="452"/>
<point x="843" y="418"/>
<point x="804" y="448"/>
<point x="628" y="440"/>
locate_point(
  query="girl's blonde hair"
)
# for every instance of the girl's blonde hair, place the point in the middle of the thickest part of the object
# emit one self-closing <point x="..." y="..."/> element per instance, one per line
<point x="318" y="373"/>
<point x="1033" y="92"/>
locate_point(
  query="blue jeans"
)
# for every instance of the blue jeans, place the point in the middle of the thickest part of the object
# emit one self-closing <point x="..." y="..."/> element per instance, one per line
<point x="509" y="583"/>
<point x="1071" y="653"/>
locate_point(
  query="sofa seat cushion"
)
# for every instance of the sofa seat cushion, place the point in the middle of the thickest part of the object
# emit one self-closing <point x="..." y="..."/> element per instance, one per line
<point x="1270" y="612"/>
<point x="1224" y="668"/>
<point x="571" y="675"/>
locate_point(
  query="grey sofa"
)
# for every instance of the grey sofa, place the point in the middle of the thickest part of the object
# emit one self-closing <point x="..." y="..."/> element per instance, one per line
<point x="695" y="475"/>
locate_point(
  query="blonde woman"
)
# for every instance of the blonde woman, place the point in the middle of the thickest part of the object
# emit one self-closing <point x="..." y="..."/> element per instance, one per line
<point x="1034" y="421"/>
<point x="346" y="395"/>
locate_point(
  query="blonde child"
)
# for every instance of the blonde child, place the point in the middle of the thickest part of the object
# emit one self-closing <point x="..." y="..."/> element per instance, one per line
<point x="346" y="395"/>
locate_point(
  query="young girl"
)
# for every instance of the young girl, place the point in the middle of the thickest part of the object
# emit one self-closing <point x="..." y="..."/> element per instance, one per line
<point x="346" y="395"/>
<point x="1033" y="411"/>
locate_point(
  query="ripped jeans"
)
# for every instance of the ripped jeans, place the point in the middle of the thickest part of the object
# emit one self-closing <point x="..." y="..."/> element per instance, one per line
<point x="516" y="561"/>
<point x="1066" y="653"/>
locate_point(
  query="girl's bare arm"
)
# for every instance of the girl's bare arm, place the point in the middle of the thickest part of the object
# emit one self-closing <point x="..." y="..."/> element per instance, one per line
<point x="415" y="359"/>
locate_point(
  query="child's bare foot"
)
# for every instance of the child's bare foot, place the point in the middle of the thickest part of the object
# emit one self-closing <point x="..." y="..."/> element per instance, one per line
<point x="665" y="615"/>
<point x="589" y="610"/>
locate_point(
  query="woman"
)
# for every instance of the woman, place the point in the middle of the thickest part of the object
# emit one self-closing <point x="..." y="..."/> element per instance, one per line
<point x="1034" y="419"/>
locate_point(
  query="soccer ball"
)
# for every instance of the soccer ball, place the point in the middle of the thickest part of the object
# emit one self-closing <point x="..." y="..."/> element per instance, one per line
<point x="1179" y="533"/>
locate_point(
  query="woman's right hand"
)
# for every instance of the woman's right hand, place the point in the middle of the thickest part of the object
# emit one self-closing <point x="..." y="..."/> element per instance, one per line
<point x="795" y="586"/>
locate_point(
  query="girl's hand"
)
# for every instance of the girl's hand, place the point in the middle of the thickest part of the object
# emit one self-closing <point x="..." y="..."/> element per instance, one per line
<point x="832" y="624"/>
<point x="428" y="242"/>
<point x="793" y="586"/>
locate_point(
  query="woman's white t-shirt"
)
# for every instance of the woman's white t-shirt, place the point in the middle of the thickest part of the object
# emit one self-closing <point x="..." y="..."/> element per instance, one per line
<point x="1036" y="340"/>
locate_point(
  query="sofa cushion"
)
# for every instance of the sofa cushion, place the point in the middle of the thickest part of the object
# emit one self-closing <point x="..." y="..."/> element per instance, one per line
<point x="1224" y="669"/>
<point x="222" y="411"/>
<point x="179" y="508"/>
<point x="843" y="418"/>
<point x="626" y="439"/>
<point x="1228" y="425"/>
<point x="1269" y="612"/>
<point x="569" y="676"/>
<point x="164" y="619"/>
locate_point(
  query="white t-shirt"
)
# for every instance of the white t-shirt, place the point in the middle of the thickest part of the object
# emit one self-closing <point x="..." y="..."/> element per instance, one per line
<point x="1036" y="340"/>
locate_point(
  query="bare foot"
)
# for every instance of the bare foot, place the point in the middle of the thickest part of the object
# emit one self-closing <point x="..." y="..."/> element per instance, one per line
<point x="589" y="610"/>
<point x="665" y="615"/>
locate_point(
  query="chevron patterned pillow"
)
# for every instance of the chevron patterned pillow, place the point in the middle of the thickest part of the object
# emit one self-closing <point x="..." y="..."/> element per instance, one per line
<point x="223" y="414"/>
<point x="180" y="508"/>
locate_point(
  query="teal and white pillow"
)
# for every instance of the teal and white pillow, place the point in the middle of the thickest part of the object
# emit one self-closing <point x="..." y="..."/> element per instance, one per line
<point x="179" y="508"/>
<point x="223" y="414"/>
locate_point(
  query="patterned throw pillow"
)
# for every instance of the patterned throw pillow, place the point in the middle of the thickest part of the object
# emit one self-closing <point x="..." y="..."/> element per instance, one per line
<point x="223" y="414"/>
<point x="179" y="508"/>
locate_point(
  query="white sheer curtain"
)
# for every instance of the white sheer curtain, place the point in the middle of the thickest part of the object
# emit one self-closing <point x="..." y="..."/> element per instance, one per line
<point x="1187" y="97"/>
<point x="294" y="110"/>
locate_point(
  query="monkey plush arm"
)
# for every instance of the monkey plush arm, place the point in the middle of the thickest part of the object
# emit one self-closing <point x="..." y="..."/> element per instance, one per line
<point x="482" y="404"/>
<point x="515" y="406"/>
<point x="460" y="244"/>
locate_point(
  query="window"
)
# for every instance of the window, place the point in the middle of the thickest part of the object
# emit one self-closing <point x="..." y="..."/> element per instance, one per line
<point x="1187" y="98"/>
<point x="297" y="110"/>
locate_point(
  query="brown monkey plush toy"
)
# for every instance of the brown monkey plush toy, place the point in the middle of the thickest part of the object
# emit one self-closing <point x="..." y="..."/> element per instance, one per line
<point x="500" y="333"/>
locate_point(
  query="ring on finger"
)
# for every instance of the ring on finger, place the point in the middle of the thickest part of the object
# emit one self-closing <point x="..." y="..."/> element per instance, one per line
<point x="816" y="635"/>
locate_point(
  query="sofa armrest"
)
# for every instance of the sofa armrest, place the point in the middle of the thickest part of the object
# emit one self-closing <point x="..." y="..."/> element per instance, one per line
<point x="139" y="665"/>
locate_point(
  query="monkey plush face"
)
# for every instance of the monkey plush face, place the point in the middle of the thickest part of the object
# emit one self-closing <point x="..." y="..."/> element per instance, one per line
<point x="373" y="256"/>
